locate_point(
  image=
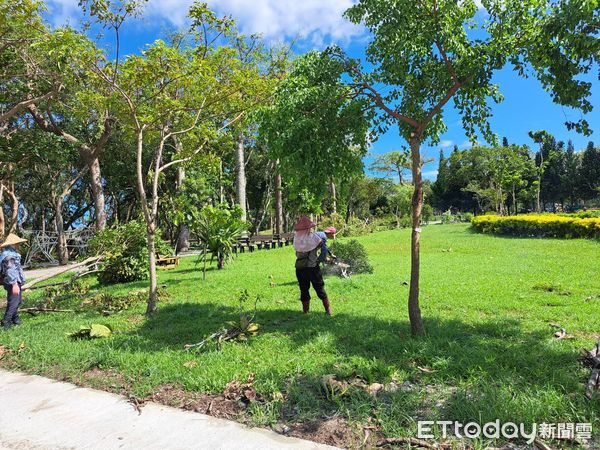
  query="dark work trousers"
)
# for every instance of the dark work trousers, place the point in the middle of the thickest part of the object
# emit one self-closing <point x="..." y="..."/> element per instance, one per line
<point x="306" y="276"/>
<point x="11" y="316"/>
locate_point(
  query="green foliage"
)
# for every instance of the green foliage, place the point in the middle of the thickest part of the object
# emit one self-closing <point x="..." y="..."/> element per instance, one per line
<point x="585" y="214"/>
<point x="392" y="163"/>
<point x="427" y="213"/>
<point x="218" y="227"/>
<point x="333" y="220"/>
<point x="354" y="254"/>
<point x="107" y="302"/>
<point x="440" y="50"/>
<point x="312" y="114"/>
<point x="240" y="329"/>
<point x="356" y="227"/>
<point x="94" y="331"/>
<point x="125" y="251"/>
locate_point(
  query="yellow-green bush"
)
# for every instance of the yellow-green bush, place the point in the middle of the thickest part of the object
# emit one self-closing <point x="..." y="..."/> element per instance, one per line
<point x="540" y="225"/>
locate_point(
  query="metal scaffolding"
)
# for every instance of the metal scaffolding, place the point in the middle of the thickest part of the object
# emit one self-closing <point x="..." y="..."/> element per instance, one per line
<point x="43" y="244"/>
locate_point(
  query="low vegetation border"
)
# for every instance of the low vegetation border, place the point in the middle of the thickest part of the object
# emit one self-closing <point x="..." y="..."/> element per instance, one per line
<point x="540" y="225"/>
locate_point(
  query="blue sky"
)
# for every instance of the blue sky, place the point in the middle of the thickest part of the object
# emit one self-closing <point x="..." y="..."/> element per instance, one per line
<point x="317" y="23"/>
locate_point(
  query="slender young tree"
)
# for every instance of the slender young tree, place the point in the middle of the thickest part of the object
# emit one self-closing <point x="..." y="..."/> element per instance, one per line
<point x="177" y="92"/>
<point x="426" y="54"/>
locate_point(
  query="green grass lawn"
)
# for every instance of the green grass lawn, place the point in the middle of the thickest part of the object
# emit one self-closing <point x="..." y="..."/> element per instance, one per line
<point x="487" y="303"/>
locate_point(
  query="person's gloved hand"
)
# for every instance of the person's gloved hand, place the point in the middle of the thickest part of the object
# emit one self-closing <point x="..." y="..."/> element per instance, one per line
<point x="16" y="289"/>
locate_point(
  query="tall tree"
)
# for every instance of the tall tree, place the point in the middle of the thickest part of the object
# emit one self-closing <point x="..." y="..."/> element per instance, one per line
<point x="182" y="91"/>
<point x="313" y="129"/>
<point x="395" y="162"/>
<point x="425" y="54"/>
<point x="589" y="172"/>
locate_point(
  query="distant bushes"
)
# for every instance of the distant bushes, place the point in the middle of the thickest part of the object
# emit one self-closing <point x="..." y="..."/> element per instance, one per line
<point x="448" y="217"/>
<point x="584" y="214"/>
<point x="539" y="225"/>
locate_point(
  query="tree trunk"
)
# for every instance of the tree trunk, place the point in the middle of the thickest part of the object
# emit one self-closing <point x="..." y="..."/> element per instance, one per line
<point x="348" y="211"/>
<point x="333" y="197"/>
<point x="514" y="197"/>
<point x="265" y="203"/>
<point x="183" y="235"/>
<point x="62" y="250"/>
<point x="14" y="216"/>
<point x="150" y="227"/>
<point x="240" y="163"/>
<point x="2" y="220"/>
<point x="221" y="188"/>
<point x="538" y="207"/>
<point x="414" y="311"/>
<point x="278" y="205"/>
<point x="97" y="193"/>
<point x="153" y="292"/>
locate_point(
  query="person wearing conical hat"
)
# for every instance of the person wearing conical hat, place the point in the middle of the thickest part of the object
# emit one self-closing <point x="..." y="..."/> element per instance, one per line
<point x="307" y="245"/>
<point x="12" y="277"/>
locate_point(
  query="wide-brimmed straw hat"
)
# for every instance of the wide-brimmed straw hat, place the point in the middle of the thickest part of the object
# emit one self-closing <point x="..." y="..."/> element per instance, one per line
<point x="304" y="224"/>
<point x="12" y="239"/>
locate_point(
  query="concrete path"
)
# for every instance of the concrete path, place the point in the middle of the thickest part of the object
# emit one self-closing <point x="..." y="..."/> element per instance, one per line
<point x="38" y="413"/>
<point x="32" y="274"/>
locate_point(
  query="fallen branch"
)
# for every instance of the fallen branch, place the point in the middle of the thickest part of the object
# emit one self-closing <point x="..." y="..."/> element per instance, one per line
<point x="63" y="283"/>
<point x="541" y="445"/>
<point x="34" y="311"/>
<point x="592" y="359"/>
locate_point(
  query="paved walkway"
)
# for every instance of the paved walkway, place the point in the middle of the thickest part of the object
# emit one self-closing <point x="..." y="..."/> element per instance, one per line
<point x="38" y="413"/>
<point x="32" y="274"/>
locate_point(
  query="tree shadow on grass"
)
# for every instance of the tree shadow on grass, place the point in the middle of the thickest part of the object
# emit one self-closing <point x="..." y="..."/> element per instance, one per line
<point x="460" y="371"/>
<point x="453" y="348"/>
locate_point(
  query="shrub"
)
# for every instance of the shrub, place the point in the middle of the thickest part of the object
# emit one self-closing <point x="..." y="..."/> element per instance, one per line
<point x="466" y="217"/>
<point x="125" y="252"/>
<point x="539" y="225"/>
<point x="334" y="220"/>
<point x="584" y="214"/>
<point x="356" y="227"/>
<point x="447" y="217"/>
<point x="427" y="213"/>
<point x="354" y="254"/>
<point x="384" y="223"/>
<point x="218" y="227"/>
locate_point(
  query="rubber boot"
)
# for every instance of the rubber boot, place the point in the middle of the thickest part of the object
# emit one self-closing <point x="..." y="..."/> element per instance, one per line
<point x="327" y="306"/>
<point x="305" y="307"/>
<point x="17" y="320"/>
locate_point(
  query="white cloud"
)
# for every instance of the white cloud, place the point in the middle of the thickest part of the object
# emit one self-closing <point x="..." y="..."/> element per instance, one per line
<point x="63" y="12"/>
<point x="467" y="144"/>
<point x="446" y="143"/>
<point x="314" y="20"/>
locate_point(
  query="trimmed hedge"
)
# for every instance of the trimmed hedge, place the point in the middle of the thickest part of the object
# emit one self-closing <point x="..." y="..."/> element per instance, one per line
<point x="539" y="225"/>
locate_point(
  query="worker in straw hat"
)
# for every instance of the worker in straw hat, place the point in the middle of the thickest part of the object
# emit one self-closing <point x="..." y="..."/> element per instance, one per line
<point x="307" y="245"/>
<point x="11" y="276"/>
